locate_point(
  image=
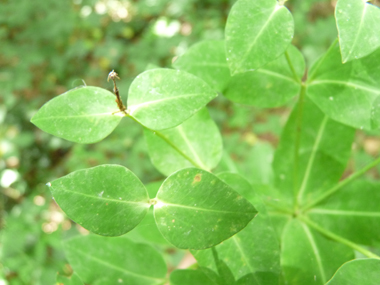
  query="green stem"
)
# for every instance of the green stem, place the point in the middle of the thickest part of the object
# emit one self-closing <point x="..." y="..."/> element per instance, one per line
<point x="337" y="238"/>
<point x="177" y="149"/>
<point x="172" y="145"/>
<point x="292" y="67"/>
<point x="341" y="184"/>
<point x="300" y="104"/>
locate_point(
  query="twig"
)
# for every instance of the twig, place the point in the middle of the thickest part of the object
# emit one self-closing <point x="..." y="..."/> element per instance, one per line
<point x="113" y="75"/>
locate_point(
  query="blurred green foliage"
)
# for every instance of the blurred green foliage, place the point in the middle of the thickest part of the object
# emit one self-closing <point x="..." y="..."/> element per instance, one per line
<point x="48" y="47"/>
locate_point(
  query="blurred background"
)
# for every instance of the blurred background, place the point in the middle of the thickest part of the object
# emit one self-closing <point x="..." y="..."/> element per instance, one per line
<point x="48" y="47"/>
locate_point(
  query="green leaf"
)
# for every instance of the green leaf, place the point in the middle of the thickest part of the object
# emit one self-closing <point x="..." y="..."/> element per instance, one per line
<point x="82" y="115"/>
<point x="114" y="260"/>
<point x="239" y="184"/>
<point x="147" y="229"/>
<point x="164" y="98"/>
<point x="253" y="254"/>
<point x="358" y="27"/>
<point x="359" y="271"/>
<point x="309" y="258"/>
<point x="257" y="32"/>
<point x="72" y="280"/>
<point x="353" y="212"/>
<point x="196" y="142"/>
<point x="271" y="85"/>
<point x="375" y="114"/>
<point x="191" y="277"/>
<point x="324" y="147"/>
<point x="207" y="60"/>
<point x="108" y="199"/>
<point x="223" y="270"/>
<point x="346" y="92"/>
<point x="196" y="210"/>
<point x="257" y="168"/>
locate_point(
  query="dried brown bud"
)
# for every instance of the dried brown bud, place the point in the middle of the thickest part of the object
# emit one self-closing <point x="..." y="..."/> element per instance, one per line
<point x="112" y="75"/>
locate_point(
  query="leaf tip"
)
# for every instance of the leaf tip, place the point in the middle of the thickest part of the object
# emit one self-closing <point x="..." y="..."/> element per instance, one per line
<point x="33" y="119"/>
<point x="344" y="60"/>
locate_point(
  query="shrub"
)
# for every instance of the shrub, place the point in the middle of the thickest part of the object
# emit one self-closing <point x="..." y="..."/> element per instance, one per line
<point x="304" y="225"/>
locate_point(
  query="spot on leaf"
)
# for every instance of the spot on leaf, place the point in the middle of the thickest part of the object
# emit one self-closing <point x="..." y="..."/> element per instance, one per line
<point x="197" y="178"/>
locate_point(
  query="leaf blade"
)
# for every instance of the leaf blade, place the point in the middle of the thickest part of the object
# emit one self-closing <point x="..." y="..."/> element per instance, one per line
<point x="197" y="210"/>
<point x="269" y="86"/>
<point x="207" y="60"/>
<point x="306" y="256"/>
<point x="94" y="257"/>
<point x="307" y="174"/>
<point x="356" y="21"/>
<point x="80" y="196"/>
<point x="359" y="271"/>
<point x="82" y="115"/>
<point x="250" y="27"/>
<point x="346" y="92"/>
<point x="253" y="254"/>
<point x="196" y="142"/>
<point x="189" y="277"/>
<point x="352" y="213"/>
<point x="163" y="98"/>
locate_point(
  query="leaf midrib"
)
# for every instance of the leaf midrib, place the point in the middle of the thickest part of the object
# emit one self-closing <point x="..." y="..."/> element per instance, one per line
<point x="133" y="108"/>
<point x="321" y="211"/>
<point x="201" y="209"/>
<point x="73" y="116"/>
<point x="276" y="74"/>
<point x="102" y="198"/>
<point x="315" y="250"/>
<point x="347" y="83"/>
<point x="357" y="34"/>
<point x="310" y="162"/>
<point x="244" y="57"/>
<point x="251" y="269"/>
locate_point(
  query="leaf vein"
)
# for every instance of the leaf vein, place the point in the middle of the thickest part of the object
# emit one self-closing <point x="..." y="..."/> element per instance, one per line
<point x="349" y="84"/>
<point x="344" y="212"/>
<point x="115" y="267"/>
<point x="133" y="108"/>
<point x="244" y="57"/>
<point x="102" y="198"/>
<point x="311" y="159"/>
<point x="316" y="251"/>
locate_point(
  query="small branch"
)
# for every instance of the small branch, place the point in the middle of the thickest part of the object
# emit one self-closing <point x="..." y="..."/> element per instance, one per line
<point x="158" y="133"/>
<point x="341" y="184"/>
<point x="292" y="67"/>
<point x="113" y="75"/>
<point x="188" y="158"/>
<point x="320" y="61"/>
<point x="337" y="238"/>
<point x="298" y="130"/>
